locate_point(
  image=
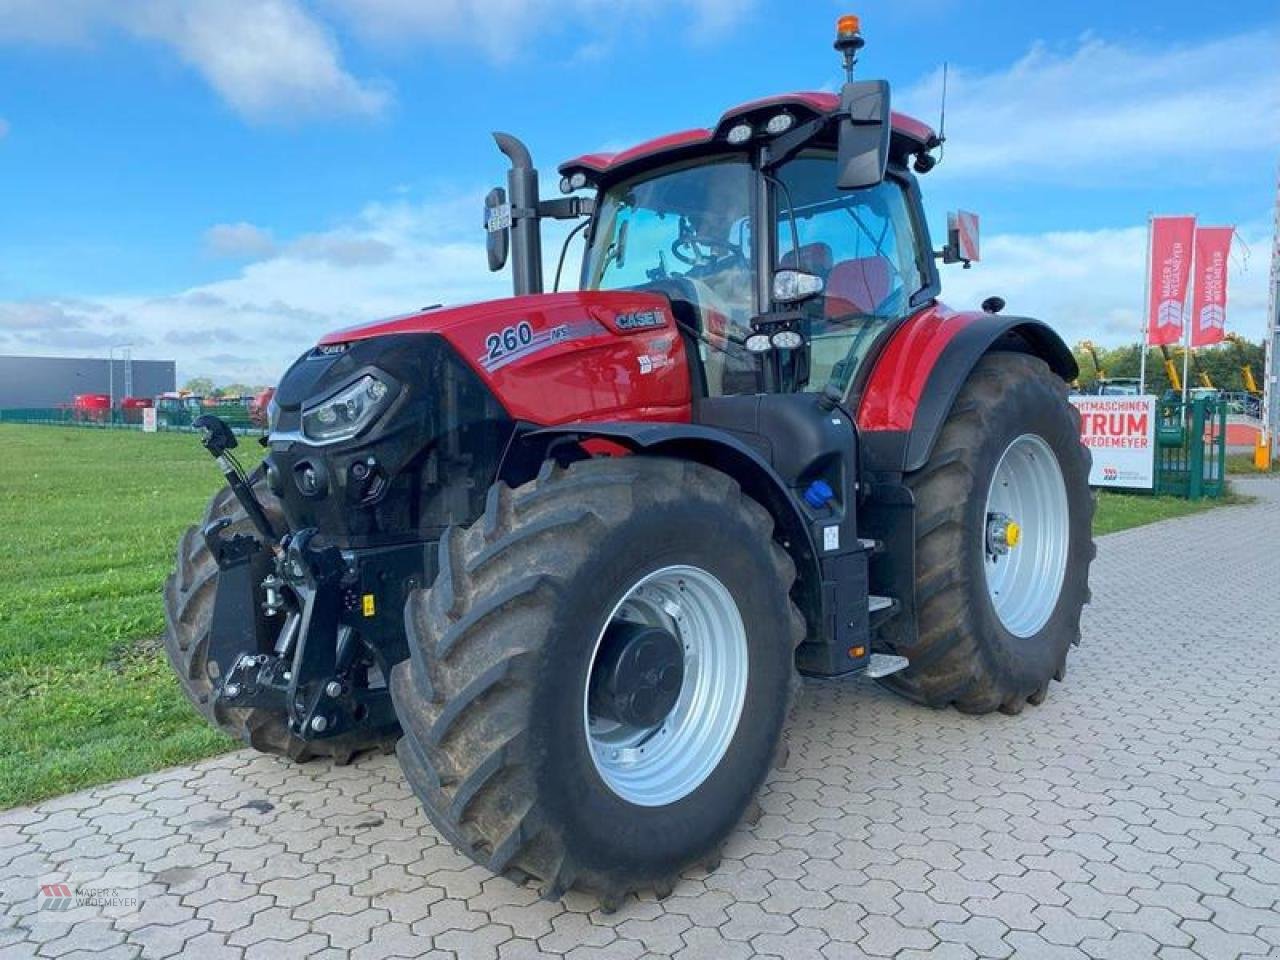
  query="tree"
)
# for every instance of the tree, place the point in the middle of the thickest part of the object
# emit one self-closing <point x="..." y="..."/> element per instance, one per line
<point x="201" y="386"/>
<point x="237" y="390"/>
<point x="1222" y="362"/>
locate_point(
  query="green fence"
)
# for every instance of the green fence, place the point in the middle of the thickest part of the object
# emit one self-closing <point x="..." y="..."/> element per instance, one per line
<point x="236" y="416"/>
<point x="1191" y="447"/>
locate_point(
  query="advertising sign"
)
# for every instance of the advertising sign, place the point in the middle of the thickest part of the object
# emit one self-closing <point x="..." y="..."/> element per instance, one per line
<point x="1120" y="432"/>
<point x="1171" y="240"/>
<point x="148" y="419"/>
<point x="1209" y="301"/>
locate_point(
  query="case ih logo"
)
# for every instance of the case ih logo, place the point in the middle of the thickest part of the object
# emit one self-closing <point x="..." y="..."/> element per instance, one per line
<point x="639" y="320"/>
<point x="56" y="896"/>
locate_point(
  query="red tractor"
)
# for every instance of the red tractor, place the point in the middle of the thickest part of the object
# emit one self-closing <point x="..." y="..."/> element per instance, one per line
<point x="569" y="551"/>
<point x="91" y="408"/>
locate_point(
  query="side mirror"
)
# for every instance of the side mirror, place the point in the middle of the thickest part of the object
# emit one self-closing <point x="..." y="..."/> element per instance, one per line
<point x="794" y="286"/>
<point x="497" y="226"/>
<point x="962" y="238"/>
<point x="865" y="126"/>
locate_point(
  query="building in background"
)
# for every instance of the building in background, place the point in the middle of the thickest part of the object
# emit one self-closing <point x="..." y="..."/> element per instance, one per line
<point x="30" y="382"/>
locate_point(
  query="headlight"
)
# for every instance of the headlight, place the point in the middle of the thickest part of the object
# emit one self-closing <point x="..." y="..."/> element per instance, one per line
<point x="347" y="412"/>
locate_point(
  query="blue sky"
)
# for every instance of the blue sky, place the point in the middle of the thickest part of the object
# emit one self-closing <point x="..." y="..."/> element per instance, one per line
<point x="221" y="181"/>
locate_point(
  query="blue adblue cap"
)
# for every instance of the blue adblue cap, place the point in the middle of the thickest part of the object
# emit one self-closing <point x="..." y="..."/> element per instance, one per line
<point x="819" y="494"/>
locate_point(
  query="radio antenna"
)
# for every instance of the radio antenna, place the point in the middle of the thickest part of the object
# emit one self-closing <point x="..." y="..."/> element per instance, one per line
<point x="942" y="115"/>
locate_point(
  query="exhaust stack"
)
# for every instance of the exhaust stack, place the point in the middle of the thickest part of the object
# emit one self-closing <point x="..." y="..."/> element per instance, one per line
<point x="526" y="230"/>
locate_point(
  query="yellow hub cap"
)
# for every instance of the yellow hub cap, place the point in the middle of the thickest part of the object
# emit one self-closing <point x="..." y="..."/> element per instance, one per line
<point x="1012" y="533"/>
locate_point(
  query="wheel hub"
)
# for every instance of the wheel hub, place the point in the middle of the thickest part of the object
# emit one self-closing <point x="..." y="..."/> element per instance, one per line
<point x="666" y="685"/>
<point x="638" y="674"/>
<point x="1003" y="533"/>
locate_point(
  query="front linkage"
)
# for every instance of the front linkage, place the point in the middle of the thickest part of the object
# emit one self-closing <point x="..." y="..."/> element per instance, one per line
<point x="323" y="666"/>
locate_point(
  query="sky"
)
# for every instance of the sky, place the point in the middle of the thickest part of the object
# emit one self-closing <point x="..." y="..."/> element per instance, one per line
<point x="220" y="182"/>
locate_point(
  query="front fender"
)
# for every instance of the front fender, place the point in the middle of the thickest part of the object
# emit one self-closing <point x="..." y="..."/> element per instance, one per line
<point x="706" y="445"/>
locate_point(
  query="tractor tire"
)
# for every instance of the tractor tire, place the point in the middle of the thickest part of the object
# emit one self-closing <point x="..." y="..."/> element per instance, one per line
<point x="188" y="603"/>
<point x="991" y="637"/>
<point x="502" y="742"/>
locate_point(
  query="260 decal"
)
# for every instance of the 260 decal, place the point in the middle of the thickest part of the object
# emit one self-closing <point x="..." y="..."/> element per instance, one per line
<point x="518" y="340"/>
<point x="507" y="340"/>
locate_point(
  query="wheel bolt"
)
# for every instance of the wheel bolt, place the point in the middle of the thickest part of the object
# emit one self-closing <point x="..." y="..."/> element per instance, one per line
<point x="333" y="688"/>
<point x="232" y="691"/>
<point x="319" y="723"/>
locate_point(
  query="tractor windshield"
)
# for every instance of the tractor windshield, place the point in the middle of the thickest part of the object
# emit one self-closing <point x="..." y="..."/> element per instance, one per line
<point x="691" y="223"/>
<point x="686" y="233"/>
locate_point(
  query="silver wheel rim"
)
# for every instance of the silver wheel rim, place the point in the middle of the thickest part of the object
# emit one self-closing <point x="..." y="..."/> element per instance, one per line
<point x="1024" y="580"/>
<point x="655" y="766"/>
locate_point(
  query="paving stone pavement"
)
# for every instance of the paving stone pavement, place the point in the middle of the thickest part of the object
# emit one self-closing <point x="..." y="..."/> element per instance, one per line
<point x="1135" y="814"/>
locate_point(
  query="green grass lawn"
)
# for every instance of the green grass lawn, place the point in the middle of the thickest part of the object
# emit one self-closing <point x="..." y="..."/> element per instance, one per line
<point x="89" y="520"/>
<point x="1242" y="464"/>
<point x="1120" y="511"/>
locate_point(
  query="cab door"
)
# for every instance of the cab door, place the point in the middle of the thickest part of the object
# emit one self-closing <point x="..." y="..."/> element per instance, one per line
<point x="870" y="252"/>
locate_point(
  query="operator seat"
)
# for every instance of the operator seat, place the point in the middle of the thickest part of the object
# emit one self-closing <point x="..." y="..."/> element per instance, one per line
<point x="814" y="258"/>
<point x="859" y="285"/>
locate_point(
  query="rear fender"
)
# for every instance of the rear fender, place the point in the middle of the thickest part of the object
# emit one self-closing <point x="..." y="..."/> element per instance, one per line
<point x="706" y="445"/>
<point x="904" y="406"/>
<point x="917" y="377"/>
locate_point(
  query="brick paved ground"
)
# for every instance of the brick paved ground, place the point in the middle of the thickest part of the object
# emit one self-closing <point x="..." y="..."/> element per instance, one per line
<point x="1135" y="814"/>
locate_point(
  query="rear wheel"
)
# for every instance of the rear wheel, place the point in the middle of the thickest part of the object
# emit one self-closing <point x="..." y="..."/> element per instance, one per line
<point x="188" y="602"/>
<point x="599" y="676"/>
<point x="1003" y="543"/>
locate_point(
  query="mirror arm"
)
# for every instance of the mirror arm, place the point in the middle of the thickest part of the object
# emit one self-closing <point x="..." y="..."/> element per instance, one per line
<point x="566" y="208"/>
<point x="781" y="149"/>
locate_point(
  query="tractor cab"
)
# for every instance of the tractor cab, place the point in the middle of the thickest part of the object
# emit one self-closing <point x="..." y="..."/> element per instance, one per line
<point x="781" y="281"/>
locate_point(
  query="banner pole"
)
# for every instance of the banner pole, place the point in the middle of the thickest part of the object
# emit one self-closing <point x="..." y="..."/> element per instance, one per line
<point x="1186" y="329"/>
<point x="1146" y="314"/>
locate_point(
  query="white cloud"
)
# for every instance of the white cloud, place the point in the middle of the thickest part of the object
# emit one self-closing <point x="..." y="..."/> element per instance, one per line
<point x="38" y="315"/>
<point x="251" y="326"/>
<point x="389" y="259"/>
<point x="268" y="59"/>
<point x="239" y="241"/>
<point x="1089" y="284"/>
<point x="342" y="249"/>
<point x="1106" y="107"/>
<point x="504" y="29"/>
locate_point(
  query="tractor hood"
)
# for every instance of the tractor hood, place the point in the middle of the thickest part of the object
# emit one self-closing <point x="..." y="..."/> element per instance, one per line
<point x="559" y="357"/>
<point x="602" y="304"/>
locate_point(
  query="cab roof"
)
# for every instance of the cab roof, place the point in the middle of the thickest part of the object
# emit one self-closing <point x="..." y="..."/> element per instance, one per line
<point x="909" y="136"/>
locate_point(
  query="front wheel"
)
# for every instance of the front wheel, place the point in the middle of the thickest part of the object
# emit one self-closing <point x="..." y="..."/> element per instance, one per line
<point x="1003" y="543"/>
<point x="600" y="674"/>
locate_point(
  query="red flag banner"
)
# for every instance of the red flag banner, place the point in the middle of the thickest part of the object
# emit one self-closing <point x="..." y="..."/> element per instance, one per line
<point x="1209" y="298"/>
<point x="1171" y="240"/>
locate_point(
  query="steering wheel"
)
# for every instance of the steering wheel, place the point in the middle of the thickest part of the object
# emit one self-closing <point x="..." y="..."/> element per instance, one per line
<point x="688" y="248"/>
